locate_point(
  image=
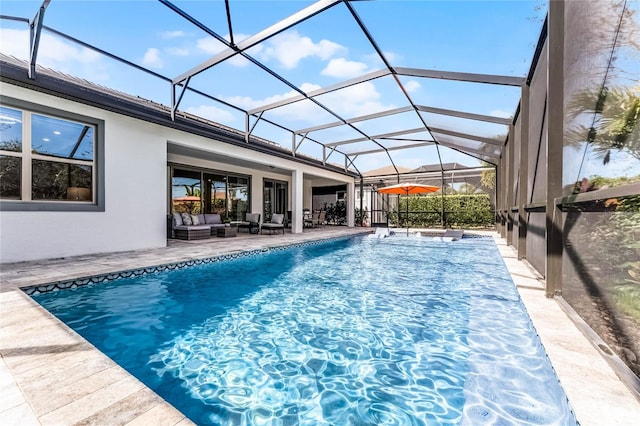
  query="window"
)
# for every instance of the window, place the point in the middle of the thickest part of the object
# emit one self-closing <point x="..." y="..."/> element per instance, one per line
<point x="186" y="192"/>
<point x="205" y="191"/>
<point x="49" y="159"/>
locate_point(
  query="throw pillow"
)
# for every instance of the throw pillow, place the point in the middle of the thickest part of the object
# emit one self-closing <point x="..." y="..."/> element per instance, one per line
<point x="186" y="219"/>
<point x="195" y="220"/>
<point x="177" y="219"/>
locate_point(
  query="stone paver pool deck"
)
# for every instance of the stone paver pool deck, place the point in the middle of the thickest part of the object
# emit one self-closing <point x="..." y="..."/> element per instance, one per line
<point x="49" y="375"/>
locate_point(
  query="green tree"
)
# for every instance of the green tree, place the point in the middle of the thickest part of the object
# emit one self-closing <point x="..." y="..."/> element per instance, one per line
<point x="615" y="121"/>
<point x="488" y="177"/>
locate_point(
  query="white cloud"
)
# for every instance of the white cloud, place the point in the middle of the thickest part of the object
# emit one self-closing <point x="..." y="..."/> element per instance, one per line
<point x="357" y="100"/>
<point x="56" y="54"/>
<point x="52" y="51"/>
<point x="500" y="113"/>
<point x="290" y="48"/>
<point x="375" y="61"/>
<point x="14" y="43"/>
<point x="172" y="34"/>
<point x="212" y="113"/>
<point x="342" y="68"/>
<point x="412" y="86"/>
<point x="353" y="101"/>
<point x="392" y="58"/>
<point x="152" y="58"/>
<point x="212" y="47"/>
<point x="248" y="102"/>
<point x="296" y="111"/>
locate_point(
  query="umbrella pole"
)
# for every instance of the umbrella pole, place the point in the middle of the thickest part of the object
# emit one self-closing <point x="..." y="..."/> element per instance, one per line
<point x="407" y="218"/>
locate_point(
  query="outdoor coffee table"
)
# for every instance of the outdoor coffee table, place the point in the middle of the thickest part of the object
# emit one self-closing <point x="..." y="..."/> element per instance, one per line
<point x="227" y="231"/>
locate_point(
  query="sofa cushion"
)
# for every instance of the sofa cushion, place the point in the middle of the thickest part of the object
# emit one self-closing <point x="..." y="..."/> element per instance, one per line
<point x="177" y="219"/>
<point x="271" y="225"/>
<point x="192" y="227"/>
<point x="277" y="218"/>
<point x="186" y="219"/>
<point x="195" y="220"/>
<point x="212" y="218"/>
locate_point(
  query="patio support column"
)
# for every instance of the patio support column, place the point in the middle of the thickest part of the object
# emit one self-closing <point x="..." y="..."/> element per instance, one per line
<point x="351" y="204"/>
<point x="523" y="183"/>
<point x="297" y="186"/>
<point x="555" y="140"/>
<point x="503" y="194"/>
<point x="510" y="186"/>
<point x="498" y="189"/>
<point x="361" y="201"/>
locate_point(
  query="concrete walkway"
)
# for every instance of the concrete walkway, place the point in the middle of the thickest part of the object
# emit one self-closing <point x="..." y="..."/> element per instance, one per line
<point x="49" y="375"/>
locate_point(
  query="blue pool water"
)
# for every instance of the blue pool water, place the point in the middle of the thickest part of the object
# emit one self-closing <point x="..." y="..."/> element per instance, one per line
<point x="357" y="331"/>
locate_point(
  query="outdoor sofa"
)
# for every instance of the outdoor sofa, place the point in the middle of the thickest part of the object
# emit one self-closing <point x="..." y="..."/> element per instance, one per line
<point x="195" y="227"/>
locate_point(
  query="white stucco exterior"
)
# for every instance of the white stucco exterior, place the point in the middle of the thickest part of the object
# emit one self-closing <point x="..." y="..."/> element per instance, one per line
<point x="136" y="192"/>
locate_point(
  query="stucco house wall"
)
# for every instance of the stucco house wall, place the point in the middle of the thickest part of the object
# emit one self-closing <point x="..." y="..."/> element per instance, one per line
<point x="136" y="191"/>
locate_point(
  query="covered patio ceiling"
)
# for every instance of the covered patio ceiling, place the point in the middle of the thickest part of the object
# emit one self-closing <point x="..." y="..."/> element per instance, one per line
<point x="396" y="106"/>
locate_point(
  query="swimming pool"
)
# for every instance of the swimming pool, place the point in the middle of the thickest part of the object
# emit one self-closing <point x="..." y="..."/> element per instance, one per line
<point x="352" y="331"/>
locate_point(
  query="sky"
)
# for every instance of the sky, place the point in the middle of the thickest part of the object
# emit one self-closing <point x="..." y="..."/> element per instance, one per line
<point x="485" y="37"/>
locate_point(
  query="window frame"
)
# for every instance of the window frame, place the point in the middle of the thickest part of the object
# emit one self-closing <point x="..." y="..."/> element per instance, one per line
<point x="98" y="204"/>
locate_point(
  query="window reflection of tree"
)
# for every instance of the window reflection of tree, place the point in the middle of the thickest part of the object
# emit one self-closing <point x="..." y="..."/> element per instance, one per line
<point x="615" y="125"/>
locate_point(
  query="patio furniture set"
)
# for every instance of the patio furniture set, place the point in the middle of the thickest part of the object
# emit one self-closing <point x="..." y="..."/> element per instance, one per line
<point x="186" y="226"/>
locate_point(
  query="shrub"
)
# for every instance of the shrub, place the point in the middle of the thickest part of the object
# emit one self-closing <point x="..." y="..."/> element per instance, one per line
<point x="461" y="210"/>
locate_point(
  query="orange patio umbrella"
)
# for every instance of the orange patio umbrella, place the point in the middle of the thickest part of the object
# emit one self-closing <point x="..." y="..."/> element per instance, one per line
<point x="187" y="199"/>
<point x="408" y="189"/>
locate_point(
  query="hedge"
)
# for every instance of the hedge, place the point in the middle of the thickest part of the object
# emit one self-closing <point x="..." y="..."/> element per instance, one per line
<point x="461" y="210"/>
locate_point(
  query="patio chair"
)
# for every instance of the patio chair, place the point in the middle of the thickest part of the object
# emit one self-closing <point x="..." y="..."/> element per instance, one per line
<point x="308" y="219"/>
<point x="276" y="223"/>
<point x="317" y="219"/>
<point x="251" y="223"/>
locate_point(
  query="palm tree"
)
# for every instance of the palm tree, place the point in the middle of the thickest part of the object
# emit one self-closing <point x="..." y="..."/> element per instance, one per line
<point x="615" y="121"/>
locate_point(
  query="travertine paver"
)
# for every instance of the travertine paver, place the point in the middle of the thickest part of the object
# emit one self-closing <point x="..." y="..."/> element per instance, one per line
<point x="49" y="375"/>
<point x="595" y="392"/>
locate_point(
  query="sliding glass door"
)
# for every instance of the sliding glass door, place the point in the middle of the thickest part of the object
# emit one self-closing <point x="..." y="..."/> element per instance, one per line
<point x="274" y="198"/>
<point x="237" y="197"/>
<point x="215" y="194"/>
<point x="226" y="195"/>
